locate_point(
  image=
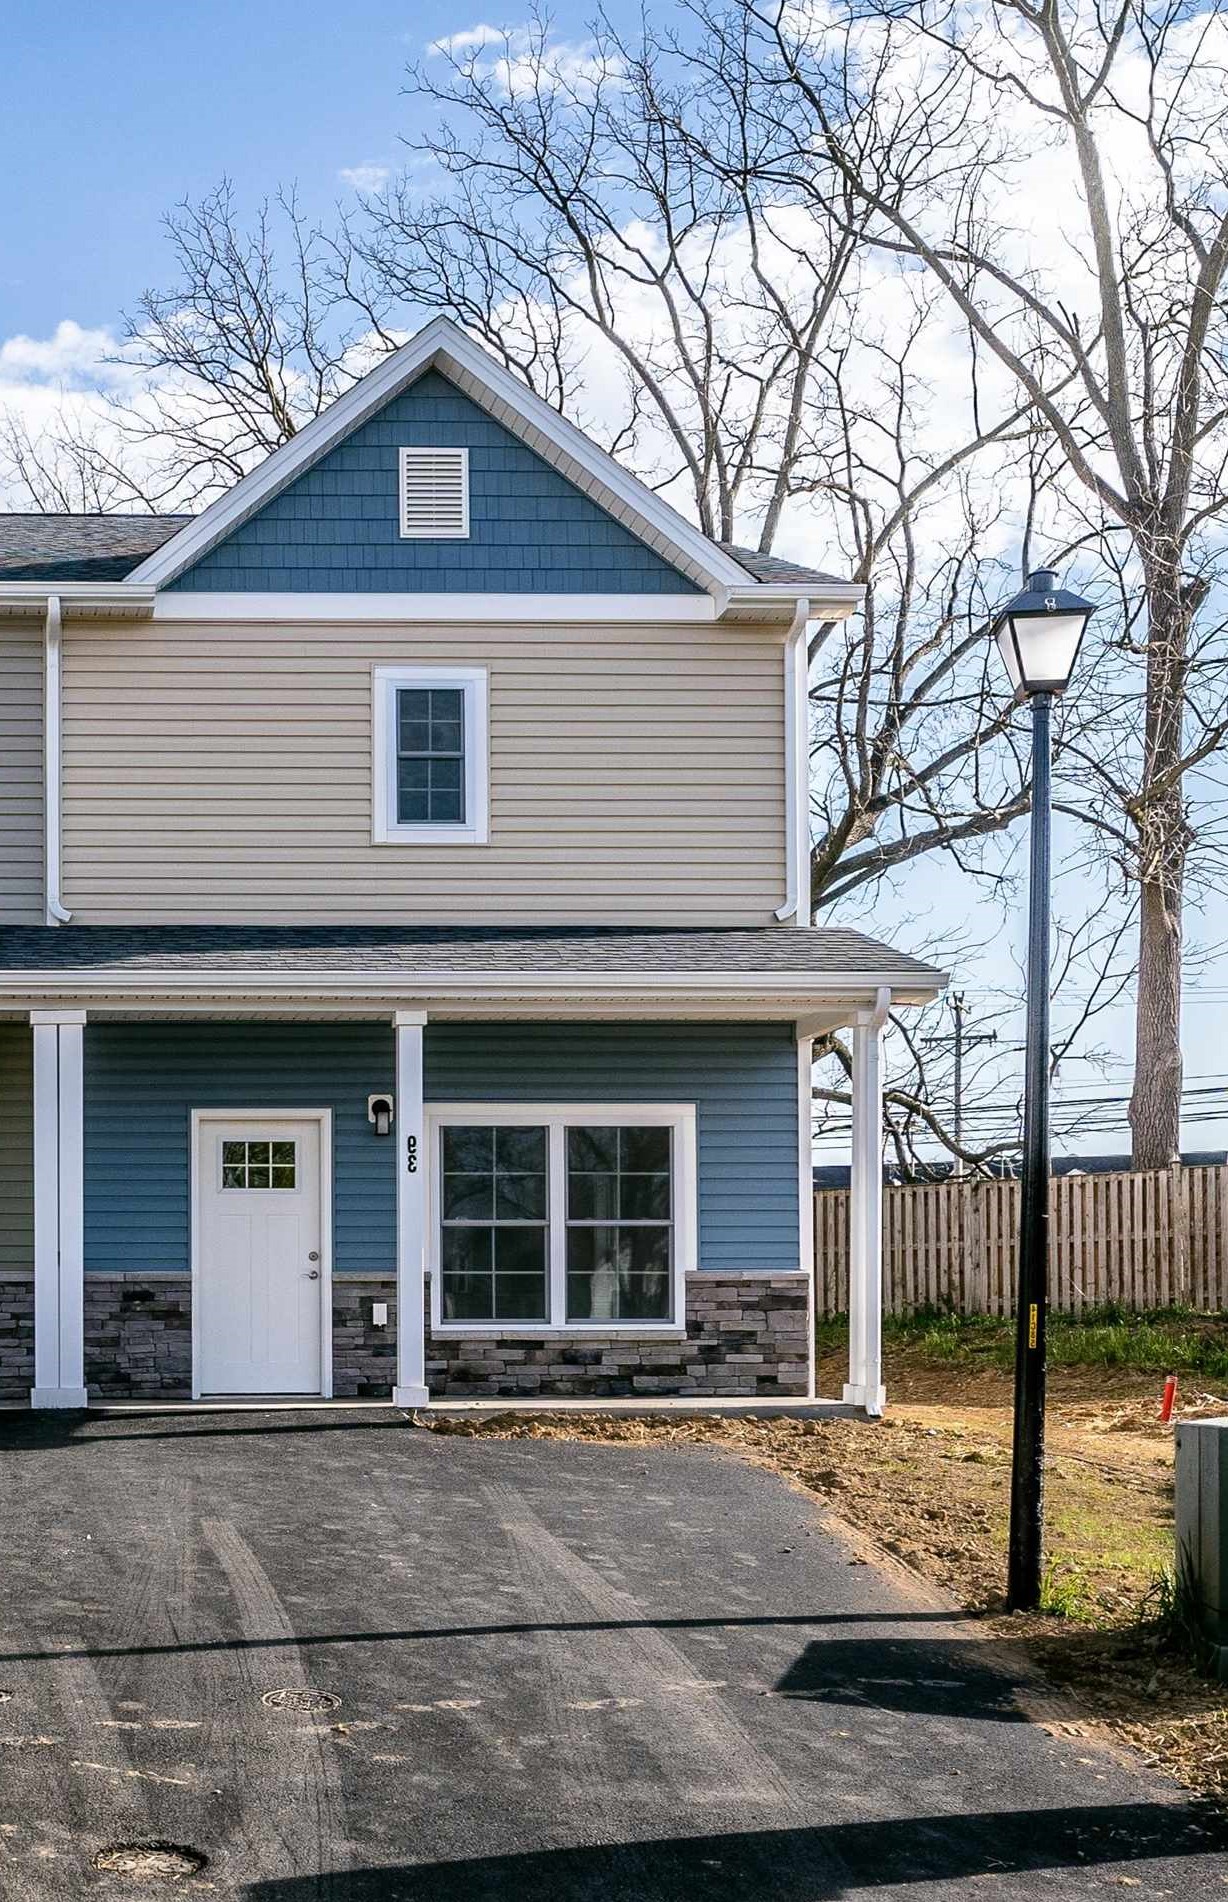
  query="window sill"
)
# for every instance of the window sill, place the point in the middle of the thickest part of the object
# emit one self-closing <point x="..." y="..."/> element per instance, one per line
<point x="432" y="835"/>
<point x="572" y="1331"/>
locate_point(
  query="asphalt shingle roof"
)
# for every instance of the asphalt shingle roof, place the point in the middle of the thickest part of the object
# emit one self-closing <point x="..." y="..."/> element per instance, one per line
<point x="80" y="547"/>
<point x="775" y="568"/>
<point x="442" y="950"/>
<point x="109" y="547"/>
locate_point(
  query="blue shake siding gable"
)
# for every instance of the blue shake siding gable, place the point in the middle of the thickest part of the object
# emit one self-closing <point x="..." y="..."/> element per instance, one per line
<point x="143" y="1080"/>
<point x="337" y="526"/>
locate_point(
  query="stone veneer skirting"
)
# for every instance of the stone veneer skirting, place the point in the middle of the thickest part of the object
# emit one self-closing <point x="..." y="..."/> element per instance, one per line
<point x="16" y="1336"/>
<point x="747" y="1336"/>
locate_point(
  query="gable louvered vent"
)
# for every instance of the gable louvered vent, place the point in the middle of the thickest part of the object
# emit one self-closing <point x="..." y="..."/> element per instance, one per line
<point x="435" y="494"/>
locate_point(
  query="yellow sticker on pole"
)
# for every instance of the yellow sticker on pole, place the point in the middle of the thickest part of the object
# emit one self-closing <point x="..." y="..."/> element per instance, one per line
<point x="1033" y="1322"/>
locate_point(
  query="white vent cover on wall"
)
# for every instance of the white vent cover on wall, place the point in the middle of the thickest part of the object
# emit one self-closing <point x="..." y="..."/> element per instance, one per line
<point x="435" y="494"/>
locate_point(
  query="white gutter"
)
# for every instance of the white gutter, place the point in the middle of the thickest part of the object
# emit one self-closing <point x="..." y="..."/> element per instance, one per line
<point x="53" y="911"/>
<point x="120" y="596"/>
<point x="861" y="988"/>
<point x="797" y="769"/>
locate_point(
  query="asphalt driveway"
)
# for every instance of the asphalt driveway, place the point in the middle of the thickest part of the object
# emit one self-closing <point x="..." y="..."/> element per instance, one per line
<point x="345" y="1659"/>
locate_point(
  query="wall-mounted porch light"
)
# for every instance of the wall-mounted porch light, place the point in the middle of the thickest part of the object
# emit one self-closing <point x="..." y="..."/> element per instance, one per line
<point x="380" y="1111"/>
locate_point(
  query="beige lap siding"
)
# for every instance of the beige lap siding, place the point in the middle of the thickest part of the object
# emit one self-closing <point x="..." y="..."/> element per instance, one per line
<point x="21" y="776"/>
<point x="223" y="773"/>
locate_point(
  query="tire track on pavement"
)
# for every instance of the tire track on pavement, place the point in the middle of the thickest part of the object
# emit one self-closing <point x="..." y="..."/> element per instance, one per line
<point x="630" y="1702"/>
<point x="285" y="1782"/>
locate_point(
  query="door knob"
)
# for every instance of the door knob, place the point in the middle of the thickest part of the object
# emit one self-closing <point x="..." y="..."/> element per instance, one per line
<point x="313" y="1274"/>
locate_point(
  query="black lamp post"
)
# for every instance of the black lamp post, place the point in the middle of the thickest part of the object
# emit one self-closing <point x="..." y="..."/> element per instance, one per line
<point x="1038" y="635"/>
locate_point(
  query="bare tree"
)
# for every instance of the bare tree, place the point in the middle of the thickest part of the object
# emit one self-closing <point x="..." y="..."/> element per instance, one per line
<point x="251" y="338"/>
<point x="931" y="117"/>
<point x="598" y="208"/>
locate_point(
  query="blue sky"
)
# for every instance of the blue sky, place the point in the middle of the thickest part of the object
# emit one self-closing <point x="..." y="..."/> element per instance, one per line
<point x="112" y="114"/>
<point x="115" y="114"/>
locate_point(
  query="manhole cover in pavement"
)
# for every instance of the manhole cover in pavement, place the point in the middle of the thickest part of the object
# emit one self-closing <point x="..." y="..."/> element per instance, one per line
<point x="169" y="1862"/>
<point x="300" y="1700"/>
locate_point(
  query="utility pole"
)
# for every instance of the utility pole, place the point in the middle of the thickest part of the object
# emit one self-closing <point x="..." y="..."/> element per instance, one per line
<point x="961" y="1041"/>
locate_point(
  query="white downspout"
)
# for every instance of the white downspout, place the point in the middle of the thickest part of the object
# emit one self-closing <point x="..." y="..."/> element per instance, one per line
<point x="53" y="910"/>
<point x="797" y="770"/>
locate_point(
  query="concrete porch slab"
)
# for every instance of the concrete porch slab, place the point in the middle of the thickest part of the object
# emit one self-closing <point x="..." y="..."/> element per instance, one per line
<point x="487" y="1407"/>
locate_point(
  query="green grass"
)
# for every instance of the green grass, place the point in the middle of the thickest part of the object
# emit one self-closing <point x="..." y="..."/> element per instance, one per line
<point x="1163" y="1341"/>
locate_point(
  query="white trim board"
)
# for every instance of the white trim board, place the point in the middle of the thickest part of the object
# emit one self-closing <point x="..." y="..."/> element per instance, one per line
<point x="323" y="1118"/>
<point x="473" y="684"/>
<point x="511" y="609"/>
<point x="680" y="1118"/>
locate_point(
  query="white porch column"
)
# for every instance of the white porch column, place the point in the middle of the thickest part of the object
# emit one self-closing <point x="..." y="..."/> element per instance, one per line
<point x="412" y="1162"/>
<point x="805" y="1195"/>
<point x="864" y="1387"/>
<point x="59" y="1209"/>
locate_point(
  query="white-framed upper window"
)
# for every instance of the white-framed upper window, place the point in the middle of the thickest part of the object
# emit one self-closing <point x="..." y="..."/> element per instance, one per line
<point x="429" y="772"/>
<point x="561" y="1218"/>
<point x="434" y="494"/>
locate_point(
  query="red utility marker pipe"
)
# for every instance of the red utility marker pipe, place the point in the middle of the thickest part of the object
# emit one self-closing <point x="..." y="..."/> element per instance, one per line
<point x="1170" y="1394"/>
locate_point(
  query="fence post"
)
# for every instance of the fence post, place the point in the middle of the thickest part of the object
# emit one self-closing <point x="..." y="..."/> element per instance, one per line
<point x="1178" y="1237"/>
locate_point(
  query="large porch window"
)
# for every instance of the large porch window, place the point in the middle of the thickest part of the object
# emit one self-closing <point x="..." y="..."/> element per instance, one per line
<point x="577" y="1218"/>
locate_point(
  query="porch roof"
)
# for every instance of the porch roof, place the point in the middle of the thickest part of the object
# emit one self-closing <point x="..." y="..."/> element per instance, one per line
<point x="783" y="969"/>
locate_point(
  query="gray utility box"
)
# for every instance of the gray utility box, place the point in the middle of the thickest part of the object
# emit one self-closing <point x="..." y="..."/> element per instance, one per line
<point x="1202" y="1528"/>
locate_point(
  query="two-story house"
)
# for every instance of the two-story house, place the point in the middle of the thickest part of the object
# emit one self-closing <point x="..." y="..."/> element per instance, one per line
<point x="405" y="983"/>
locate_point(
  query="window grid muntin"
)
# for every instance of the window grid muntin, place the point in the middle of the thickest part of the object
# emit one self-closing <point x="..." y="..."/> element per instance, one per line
<point x="259" y="1163"/>
<point x="440" y="764"/>
<point x="627" y="1280"/>
<point x="386" y="828"/>
<point x="676" y="1119"/>
<point x="493" y="1226"/>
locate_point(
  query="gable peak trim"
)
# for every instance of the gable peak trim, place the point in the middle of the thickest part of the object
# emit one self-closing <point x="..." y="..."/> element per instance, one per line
<point x="442" y="345"/>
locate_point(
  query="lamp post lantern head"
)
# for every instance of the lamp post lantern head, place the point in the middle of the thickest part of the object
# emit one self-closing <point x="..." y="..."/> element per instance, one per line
<point x="1038" y="634"/>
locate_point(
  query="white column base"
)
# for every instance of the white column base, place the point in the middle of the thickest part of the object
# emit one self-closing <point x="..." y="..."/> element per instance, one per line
<point x="410" y="1397"/>
<point x="59" y="1397"/>
<point x="871" y="1400"/>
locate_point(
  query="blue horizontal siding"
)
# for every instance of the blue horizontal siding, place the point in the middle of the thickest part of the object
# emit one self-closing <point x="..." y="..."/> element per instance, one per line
<point x="337" y="527"/>
<point x="143" y="1080"/>
<point x="742" y="1079"/>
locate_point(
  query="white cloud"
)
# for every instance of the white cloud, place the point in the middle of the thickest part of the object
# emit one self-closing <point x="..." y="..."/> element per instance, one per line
<point x="368" y="177"/>
<point x="522" y="59"/>
<point x="71" y="358"/>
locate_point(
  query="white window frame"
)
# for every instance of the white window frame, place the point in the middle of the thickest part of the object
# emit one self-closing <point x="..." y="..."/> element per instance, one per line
<point x="409" y="533"/>
<point x="386" y="683"/>
<point x="556" y="1118"/>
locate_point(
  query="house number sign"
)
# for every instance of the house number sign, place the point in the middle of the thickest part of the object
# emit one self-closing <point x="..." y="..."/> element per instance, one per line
<point x="411" y="1155"/>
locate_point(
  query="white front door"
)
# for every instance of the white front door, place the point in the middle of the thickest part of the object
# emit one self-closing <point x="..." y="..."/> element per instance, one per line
<point x="259" y="1269"/>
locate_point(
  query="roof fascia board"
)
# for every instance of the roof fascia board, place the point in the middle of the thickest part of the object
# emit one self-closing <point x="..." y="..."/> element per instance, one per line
<point x="768" y="604"/>
<point x="78" y="593"/>
<point x="506" y="986"/>
<point x="442" y="342"/>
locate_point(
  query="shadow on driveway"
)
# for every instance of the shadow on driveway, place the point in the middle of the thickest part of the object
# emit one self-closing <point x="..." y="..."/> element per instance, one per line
<point x="822" y="1864"/>
<point x="944" y="1679"/>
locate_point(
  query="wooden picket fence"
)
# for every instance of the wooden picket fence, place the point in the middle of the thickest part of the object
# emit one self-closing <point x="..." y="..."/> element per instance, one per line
<point x="1143" y="1240"/>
